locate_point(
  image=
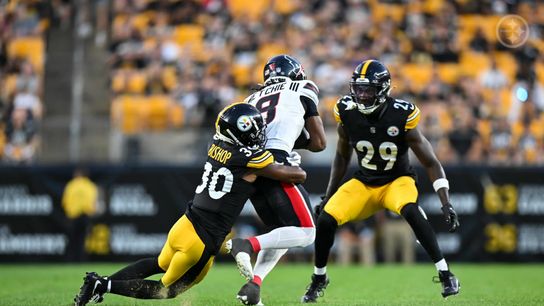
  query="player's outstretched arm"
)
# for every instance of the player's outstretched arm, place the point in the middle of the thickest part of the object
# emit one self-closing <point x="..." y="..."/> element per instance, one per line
<point x="424" y="152"/>
<point x="340" y="163"/>
<point x="287" y="174"/>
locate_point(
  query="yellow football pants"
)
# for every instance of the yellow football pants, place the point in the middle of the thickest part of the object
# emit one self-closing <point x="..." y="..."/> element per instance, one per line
<point x="355" y="201"/>
<point x="183" y="255"/>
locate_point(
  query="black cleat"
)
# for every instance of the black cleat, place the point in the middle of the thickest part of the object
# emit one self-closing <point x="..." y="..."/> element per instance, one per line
<point x="241" y="250"/>
<point x="89" y="291"/>
<point x="450" y="283"/>
<point x="316" y="289"/>
<point x="250" y="294"/>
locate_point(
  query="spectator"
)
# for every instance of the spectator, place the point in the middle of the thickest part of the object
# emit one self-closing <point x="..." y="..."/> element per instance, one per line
<point x="396" y="238"/>
<point x="359" y="239"/>
<point x="26" y="100"/>
<point x="20" y="137"/>
<point x="464" y="138"/>
<point x="79" y="202"/>
<point x="479" y="43"/>
<point x="493" y="78"/>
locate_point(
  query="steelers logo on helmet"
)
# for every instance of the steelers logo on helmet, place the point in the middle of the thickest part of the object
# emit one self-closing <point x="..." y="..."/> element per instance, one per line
<point x="244" y="123"/>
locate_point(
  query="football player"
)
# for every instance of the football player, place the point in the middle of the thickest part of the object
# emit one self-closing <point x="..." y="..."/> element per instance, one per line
<point x="380" y="129"/>
<point x="288" y="103"/>
<point x="235" y="159"/>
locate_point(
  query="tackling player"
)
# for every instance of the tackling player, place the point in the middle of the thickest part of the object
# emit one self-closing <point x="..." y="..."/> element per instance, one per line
<point x="288" y="102"/>
<point x="235" y="159"/>
<point x="380" y="129"/>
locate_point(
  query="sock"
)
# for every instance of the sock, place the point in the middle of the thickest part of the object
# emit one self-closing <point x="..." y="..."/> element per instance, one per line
<point x="266" y="261"/>
<point x="142" y="289"/>
<point x="287" y="237"/>
<point x="139" y="270"/>
<point x="326" y="229"/>
<point x="257" y="280"/>
<point x="320" y="271"/>
<point x="442" y="265"/>
<point x="423" y="231"/>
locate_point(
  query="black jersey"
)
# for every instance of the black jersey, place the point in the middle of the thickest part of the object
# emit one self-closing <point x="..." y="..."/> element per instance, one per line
<point x="379" y="138"/>
<point x="222" y="193"/>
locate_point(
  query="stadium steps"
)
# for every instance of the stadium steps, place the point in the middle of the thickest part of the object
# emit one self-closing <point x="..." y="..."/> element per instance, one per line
<point x="95" y="128"/>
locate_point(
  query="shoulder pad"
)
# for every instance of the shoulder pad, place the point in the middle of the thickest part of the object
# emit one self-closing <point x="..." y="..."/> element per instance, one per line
<point x="307" y="88"/>
<point x="410" y="110"/>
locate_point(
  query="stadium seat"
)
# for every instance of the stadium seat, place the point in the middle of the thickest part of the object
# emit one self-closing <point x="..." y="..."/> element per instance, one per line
<point x="381" y="12"/>
<point x="539" y="70"/>
<point x="507" y="64"/>
<point x="473" y="63"/>
<point x="31" y="48"/>
<point x="248" y="9"/>
<point x="136" y="83"/>
<point x="449" y="73"/>
<point x="156" y="109"/>
<point x="242" y="75"/>
<point x="418" y="75"/>
<point x="128" y="114"/>
<point x="285" y="7"/>
<point x="9" y="85"/>
<point x="176" y="115"/>
<point x="188" y="33"/>
<point x="169" y="77"/>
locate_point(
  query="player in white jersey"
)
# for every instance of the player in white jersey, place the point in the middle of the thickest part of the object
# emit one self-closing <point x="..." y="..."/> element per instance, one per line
<point x="288" y="103"/>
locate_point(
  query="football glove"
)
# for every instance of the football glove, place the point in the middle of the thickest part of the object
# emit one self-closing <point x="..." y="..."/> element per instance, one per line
<point x="294" y="159"/>
<point x="451" y="217"/>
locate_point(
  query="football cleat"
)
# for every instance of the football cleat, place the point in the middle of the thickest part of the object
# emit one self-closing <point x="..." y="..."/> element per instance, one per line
<point x="316" y="289"/>
<point x="250" y="294"/>
<point x="241" y="250"/>
<point x="89" y="290"/>
<point x="450" y="283"/>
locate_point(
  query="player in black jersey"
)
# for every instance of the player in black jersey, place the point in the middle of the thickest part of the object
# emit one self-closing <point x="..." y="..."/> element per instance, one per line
<point x="380" y="129"/>
<point x="235" y="159"/>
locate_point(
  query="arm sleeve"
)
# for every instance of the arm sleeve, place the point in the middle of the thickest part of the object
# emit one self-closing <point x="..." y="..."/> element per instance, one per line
<point x="413" y="119"/>
<point x="336" y="113"/>
<point x="309" y="106"/>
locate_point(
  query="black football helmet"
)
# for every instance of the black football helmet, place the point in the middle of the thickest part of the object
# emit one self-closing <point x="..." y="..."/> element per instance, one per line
<point x="283" y="66"/>
<point x="370" y="85"/>
<point x="241" y="124"/>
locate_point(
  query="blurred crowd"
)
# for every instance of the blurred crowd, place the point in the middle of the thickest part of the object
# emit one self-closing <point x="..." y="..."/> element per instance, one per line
<point x="481" y="101"/>
<point x="22" y="52"/>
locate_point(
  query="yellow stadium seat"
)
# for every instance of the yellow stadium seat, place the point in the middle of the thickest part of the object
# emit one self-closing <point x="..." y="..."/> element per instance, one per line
<point x="449" y="73"/>
<point x="241" y="74"/>
<point x="507" y="64"/>
<point x="248" y="9"/>
<point x="157" y="112"/>
<point x="417" y="75"/>
<point x="285" y="7"/>
<point x="128" y="114"/>
<point x="381" y="12"/>
<point x="137" y="82"/>
<point x="188" y="33"/>
<point x="9" y="85"/>
<point x="489" y="26"/>
<point x="169" y="77"/>
<point x="505" y="99"/>
<point x="469" y="23"/>
<point x="118" y="82"/>
<point x="474" y="63"/>
<point x="432" y="6"/>
<point x="539" y="69"/>
<point x="141" y="22"/>
<point x="176" y="115"/>
<point x="31" y="48"/>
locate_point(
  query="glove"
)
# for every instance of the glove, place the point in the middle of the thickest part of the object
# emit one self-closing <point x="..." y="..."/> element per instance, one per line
<point x="319" y="207"/>
<point x="451" y="217"/>
<point x="294" y="159"/>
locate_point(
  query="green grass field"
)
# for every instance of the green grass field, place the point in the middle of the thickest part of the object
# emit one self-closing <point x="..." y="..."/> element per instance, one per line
<point x="380" y="285"/>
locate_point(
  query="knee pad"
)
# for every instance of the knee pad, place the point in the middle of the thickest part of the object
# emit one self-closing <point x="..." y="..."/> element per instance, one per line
<point x="310" y="235"/>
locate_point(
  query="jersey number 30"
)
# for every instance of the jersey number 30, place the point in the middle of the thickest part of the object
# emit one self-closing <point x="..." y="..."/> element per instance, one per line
<point x="388" y="152"/>
<point x="227" y="185"/>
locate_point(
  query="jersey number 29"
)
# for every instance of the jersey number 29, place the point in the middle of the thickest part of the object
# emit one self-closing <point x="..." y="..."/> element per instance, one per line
<point x="388" y="152"/>
<point x="227" y="185"/>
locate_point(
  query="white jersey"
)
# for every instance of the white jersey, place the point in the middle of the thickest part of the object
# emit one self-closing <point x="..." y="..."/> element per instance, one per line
<point x="285" y="106"/>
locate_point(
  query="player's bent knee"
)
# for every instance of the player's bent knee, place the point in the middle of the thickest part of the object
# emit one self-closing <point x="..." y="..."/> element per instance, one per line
<point x="310" y="236"/>
<point x="411" y="211"/>
<point x="326" y="222"/>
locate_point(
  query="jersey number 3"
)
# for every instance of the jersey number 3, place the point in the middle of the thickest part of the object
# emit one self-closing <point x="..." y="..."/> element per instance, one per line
<point x="267" y="107"/>
<point x="227" y="185"/>
<point x="388" y="152"/>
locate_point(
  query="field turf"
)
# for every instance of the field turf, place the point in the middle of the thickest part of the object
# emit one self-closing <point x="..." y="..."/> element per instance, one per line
<point x="355" y="285"/>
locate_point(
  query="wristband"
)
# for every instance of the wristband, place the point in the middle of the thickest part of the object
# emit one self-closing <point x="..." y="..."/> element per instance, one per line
<point x="441" y="183"/>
